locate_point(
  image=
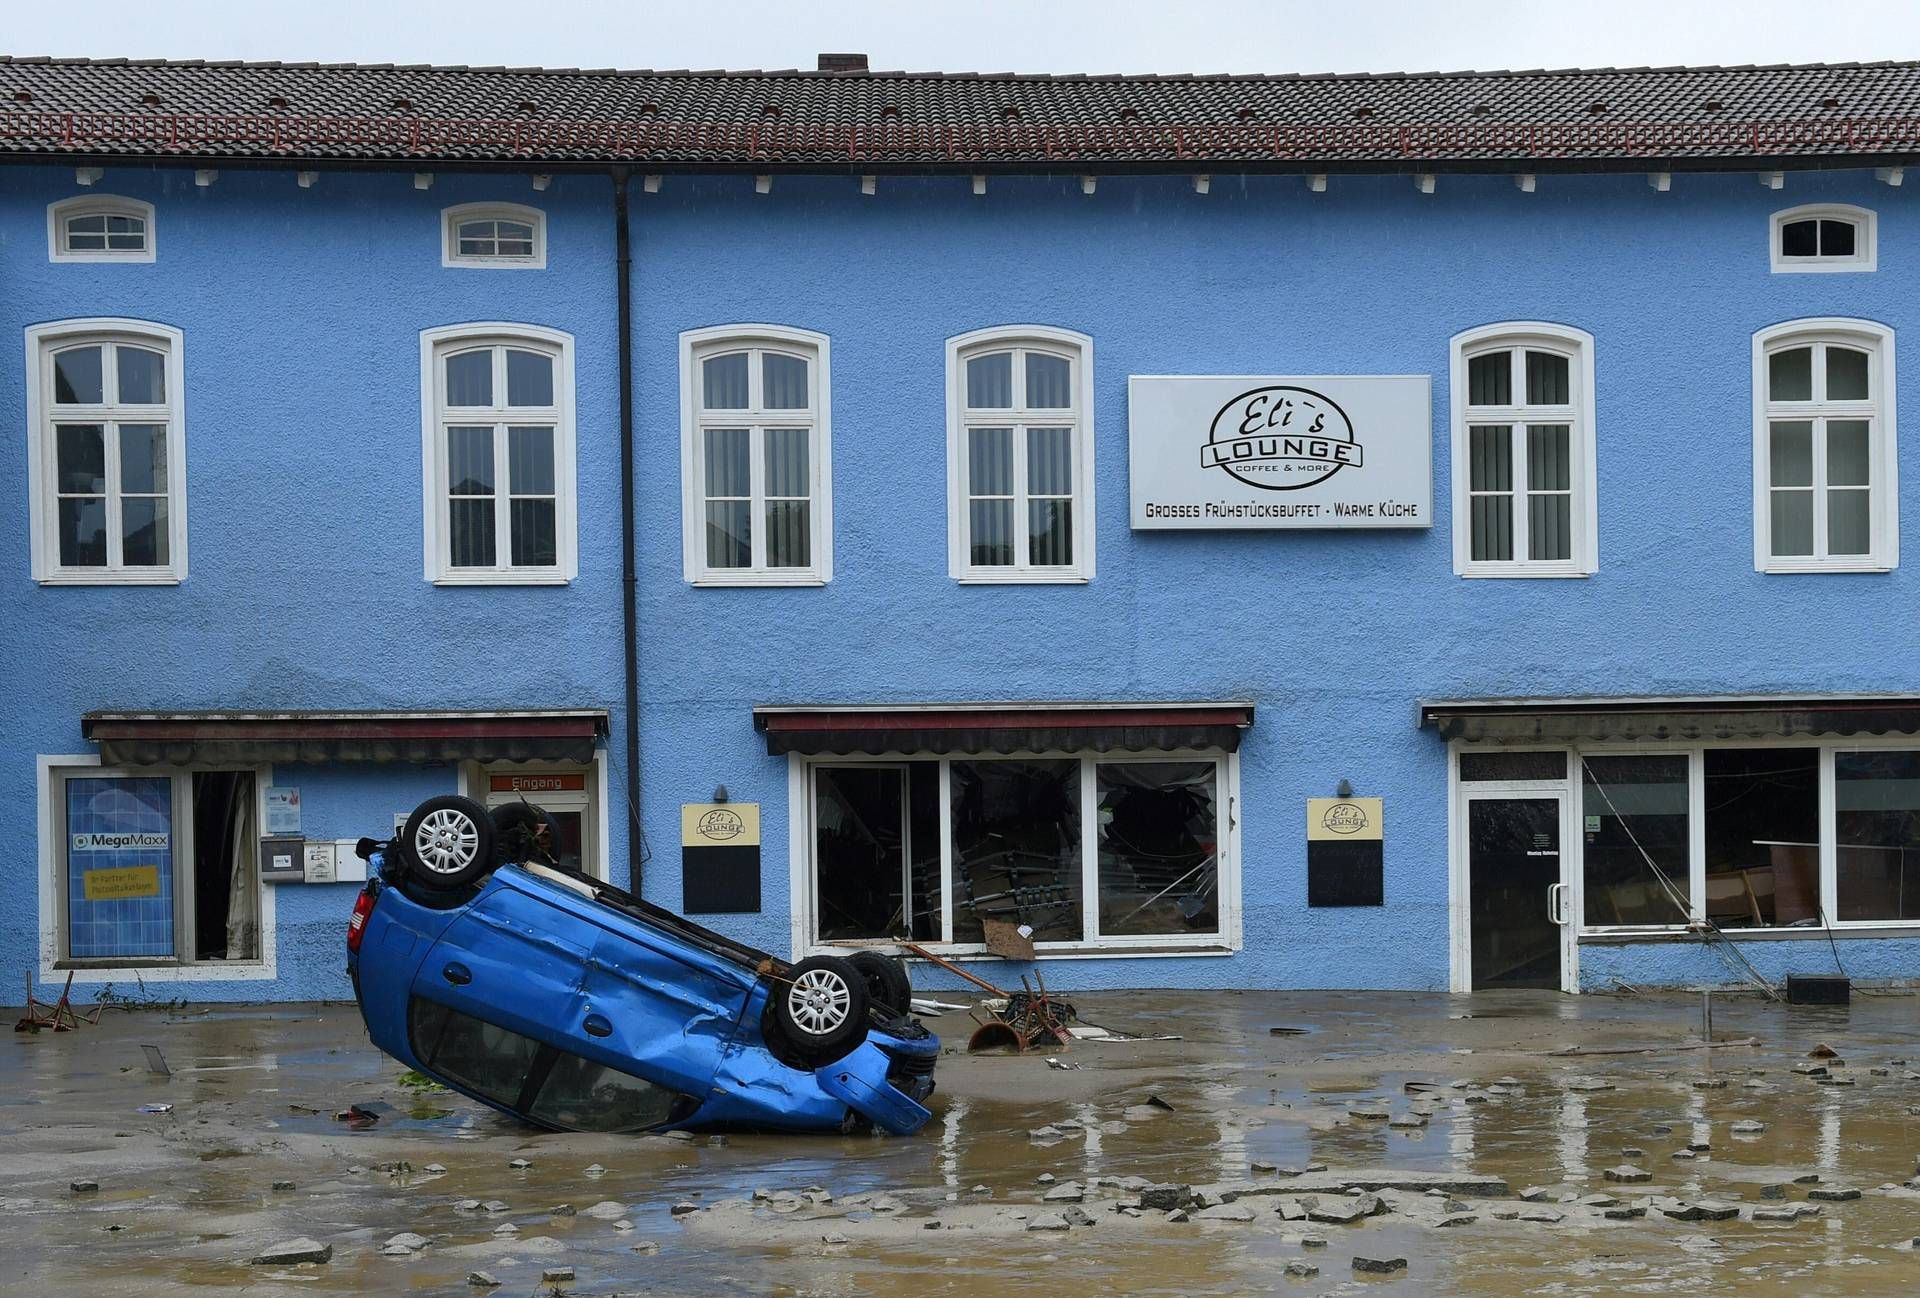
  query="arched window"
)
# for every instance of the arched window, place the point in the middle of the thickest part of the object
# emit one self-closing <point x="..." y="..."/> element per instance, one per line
<point x="755" y="456"/>
<point x="494" y="236"/>
<point x="1823" y="447"/>
<point x="1020" y="455"/>
<point x="497" y="401"/>
<point x="1523" y="452"/>
<point x="100" y="227"/>
<point x="1823" y="237"/>
<point x="108" y="452"/>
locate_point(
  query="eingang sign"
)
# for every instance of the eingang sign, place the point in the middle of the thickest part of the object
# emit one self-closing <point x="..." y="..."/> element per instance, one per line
<point x="1227" y="451"/>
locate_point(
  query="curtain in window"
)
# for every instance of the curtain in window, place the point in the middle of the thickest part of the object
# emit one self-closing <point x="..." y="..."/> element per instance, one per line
<point x="243" y="895"/>
<point x="783" y="384"/>
<point x="788" y="487"/>
<point x="1549" y="492"/>
<point x="1490" y="484"/>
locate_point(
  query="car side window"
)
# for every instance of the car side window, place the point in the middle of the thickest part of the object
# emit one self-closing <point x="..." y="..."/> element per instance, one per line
<point x="581" y="1095"/>
<point x="490" y="1060"/>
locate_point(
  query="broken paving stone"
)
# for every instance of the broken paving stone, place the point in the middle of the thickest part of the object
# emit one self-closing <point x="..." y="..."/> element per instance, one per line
<point x="1337" y="1213"/>
<point x="1774" y="1191"/>
<point x="562" y="1210"/>
<point x="556" y="1275"/>
<point x="1662" y="1129"/>
<point x="494" y="1205"/>
<point x="1807" y="1178"/>
<point x="1685" y="1155"/>
<point x="1833" y="1194"/>
<point x="1259" y="1168"/>
<point x="482" y="1280"/>
<point x="1178" y="1215"/>
<point x="1290" y="1210"/>
<point x="682" y="1208"/>
<point x="286" y="1187"/>
<point x="84" y="1187"/>
<point x="1835" y="1081"/>
<point x="1597" y="1201"/>
<point x="1710" y="1084"/>
<point x="1705" y="1210"/>
<point x="1076" y="1217"/>
<point x="834" y="1237"/>
<point x="594" y="1169"/>
<point x="607" y="1210"/>
<point x="1822" y="1051"/>
<point x="1369" y="1113"/>
<point x="394" y="1250"/>
<point x="1747" y="1127"/>
<point x="1046" y="1133"/>
<point x="1624" y="1212"/>
<point x="1457" y="1219"/>
<point x="1699" y="1146"/>
<point x="1632" y="1151"/>
<point x="1379" y="1265"/>
<point x="1409" y="1120"/>
<point x="466" y="1205"/>
<point x="295" y="1251"/>
<point x="887" y="1203"/>
<point x="1313" y="1241"/>
<point x="434" y="1169"/>
<point x="1586" y="1084"/>
<point x="623" y="1225"/>
<point x="1047" y="1221"/>
<point x="1546" y="1216"/>
<point x="1626" y="1175"/>
<point x="506" y="1228"/>
<point x="1045" y="1178"/>
<point x="646" y="1248"/>
<point x="1225" y="1212"/>
<point x="1301" y="1270"/>
<point x="1534" y="1194"/>
<point x="409" y="1241"/>
<point x="982" y="1189"/>
<point x="520" y="1164"/>
<point x="1776" y="1214"/>
<point x="1066" y="1192"/>
<point x="1164" y="1198"/>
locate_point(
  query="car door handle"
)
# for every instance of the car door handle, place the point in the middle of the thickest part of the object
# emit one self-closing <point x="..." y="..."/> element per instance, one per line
<point x="598" y="1026"/>
<point x="457" y="974"/>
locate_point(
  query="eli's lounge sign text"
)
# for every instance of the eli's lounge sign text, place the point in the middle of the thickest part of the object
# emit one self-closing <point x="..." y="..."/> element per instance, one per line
<point x="1237" y="451"/>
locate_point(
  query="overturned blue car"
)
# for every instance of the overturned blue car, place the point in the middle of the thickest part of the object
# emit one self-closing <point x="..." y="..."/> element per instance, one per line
<point x="561" y="1000"/>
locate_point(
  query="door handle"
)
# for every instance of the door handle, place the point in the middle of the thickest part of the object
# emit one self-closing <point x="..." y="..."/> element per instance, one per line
<point x="457" y="974"/>
<point x="1557" y="903"/>
<point x="598" y="1026"/>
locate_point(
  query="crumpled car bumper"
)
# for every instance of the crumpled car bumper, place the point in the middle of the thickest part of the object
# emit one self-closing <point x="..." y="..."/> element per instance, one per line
<point x="860" y="1082"/>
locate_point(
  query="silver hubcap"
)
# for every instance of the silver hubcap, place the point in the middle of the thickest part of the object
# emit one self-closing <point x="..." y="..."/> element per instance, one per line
<point x="447" y="841"/>
<point x="818" y="1001"/>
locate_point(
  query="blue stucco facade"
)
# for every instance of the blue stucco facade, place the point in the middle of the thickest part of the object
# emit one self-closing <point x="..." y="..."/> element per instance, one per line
<point x="302" y="309"/>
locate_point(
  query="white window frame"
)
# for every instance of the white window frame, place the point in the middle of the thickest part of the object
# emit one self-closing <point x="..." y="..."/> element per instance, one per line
<point x="1077" y="349"/>
<point x="42" y="341"/>
<point x="699" y="345"/>
<point x="92" y="205"/>
<point x="450" y="219"/>
<point x="803" y="878"/>
<point x="435" y="345"/>
<point x="1877" y="340"/>
<point x="50" y="770"/>
<point x="1583" y="456"/>
<point x="1866" y="238"/>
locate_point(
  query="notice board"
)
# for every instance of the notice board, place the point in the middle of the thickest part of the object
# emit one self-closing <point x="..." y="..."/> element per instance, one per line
<point x="1346" y="852"/>
<point x="719" y="858"/>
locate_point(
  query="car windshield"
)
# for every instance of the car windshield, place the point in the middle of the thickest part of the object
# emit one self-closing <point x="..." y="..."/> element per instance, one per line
<point x="547" y="1084"/>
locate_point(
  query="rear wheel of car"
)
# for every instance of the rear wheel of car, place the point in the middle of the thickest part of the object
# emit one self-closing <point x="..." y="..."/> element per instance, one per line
<point x="448" y="845"/>
<point x="888" y="986"/>
<point x="525" y="833"/>
<point x="821" y="1008"/>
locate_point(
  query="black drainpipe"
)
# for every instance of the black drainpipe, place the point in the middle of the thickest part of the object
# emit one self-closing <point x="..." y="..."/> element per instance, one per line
<point x="629" y="577"/>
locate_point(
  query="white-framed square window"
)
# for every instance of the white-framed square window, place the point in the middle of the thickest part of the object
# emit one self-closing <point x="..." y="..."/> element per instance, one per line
<point x="101" y="228"/>
<point x="1825" y="485"/>
<point x="1020" y="455"/>
<point x="756" y="464"/>
<point x="1524" y="458"/>
<point x="1823" y="237"/>
<point x="493" y="236"/>
<point x="497" y="434"/>
<point x="106" y="455"/>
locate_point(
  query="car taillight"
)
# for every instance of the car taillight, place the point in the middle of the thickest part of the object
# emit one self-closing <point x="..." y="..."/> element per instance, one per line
<point x="357" y="926"/>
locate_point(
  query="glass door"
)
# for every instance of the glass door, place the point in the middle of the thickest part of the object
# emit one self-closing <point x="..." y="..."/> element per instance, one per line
<point x="1519" y="934"/>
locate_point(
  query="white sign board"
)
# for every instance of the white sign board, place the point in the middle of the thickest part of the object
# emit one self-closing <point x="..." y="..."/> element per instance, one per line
<point x="1249" y="451"/>
<point x="283" y="811"/>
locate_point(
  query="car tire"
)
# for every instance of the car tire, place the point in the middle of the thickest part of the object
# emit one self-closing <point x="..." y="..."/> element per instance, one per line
<point x="448" y="845"/>
<point x="888" y="987"/>
<point x="522" y="830"/>
<point x="820" y="1008"/>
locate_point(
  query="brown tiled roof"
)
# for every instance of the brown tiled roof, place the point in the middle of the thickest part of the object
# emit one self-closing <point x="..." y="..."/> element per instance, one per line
<point x="536" y="118"/>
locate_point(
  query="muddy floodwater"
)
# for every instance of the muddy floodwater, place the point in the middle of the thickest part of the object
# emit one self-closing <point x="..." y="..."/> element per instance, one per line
<point x="1455" y="1133"/>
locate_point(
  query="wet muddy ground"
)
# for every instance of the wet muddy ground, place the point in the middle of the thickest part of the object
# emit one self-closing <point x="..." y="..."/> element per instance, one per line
<point x="1449" y="1129"/>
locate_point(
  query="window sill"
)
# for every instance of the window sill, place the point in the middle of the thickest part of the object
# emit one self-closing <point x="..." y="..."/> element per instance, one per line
<point x="717" y="582"/>
<point x="1812" y="267"/>
<point x="1802" y="569"/>
<point x="503" y="579"/>
<point x="1023" y="579"/>
<point x="487" y="263"/>
<point x="1046" y="950"/>
<point x="204" y="971"/>
<point x="1533" y="573"/>
<point x="122" y="578"/>
<point x="1858" y="928"/>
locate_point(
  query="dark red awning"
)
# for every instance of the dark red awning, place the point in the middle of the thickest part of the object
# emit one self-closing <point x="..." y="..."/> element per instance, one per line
<point x="255" y="738"/>
<point x="1003" y="727"/>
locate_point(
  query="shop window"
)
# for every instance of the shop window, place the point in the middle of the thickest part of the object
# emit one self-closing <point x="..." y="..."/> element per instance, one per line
<point x="1824" y="447"/>
<point x="157" y="869"/>
<point x="1763" y="837"/>
<point x="493" y="236"/>
<point x="107" y="458"/>
<point x="757" y="505"/>
<point x="1020" y="455"/>
<point x="1026" y="840"/>
<point x="1877" y="835"/>
<point x="1523" y="452"/>
<point x="498" y="432"/>
<point x="1496" y="764"/>
<point x="1824" y="237"/>
<point x="1635" y="840"/>
<point x="100" y="227"/>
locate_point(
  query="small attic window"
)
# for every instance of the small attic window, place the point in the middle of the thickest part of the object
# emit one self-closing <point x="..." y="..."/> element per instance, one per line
<point x="276" y="101"/>
<point x="649" y="110"/>
<point x="100" y="227"/>
<point x="1363" y="111"/>
<point x="891" y="110"/>
<point x="1824" y="237"/>
<point x="1713" y="106"/>
<point x="1129" y="114"/>
<point x="1245" y="114"/>
<point x="1011" y="112"/>
<point x="150" y="99"/>
<point x="1829" y="102"/>
<point x="23" y="96"/>
<point x="529" y="106"/>
<point x="1597" y="107"/>
<point x="769" y="110"/>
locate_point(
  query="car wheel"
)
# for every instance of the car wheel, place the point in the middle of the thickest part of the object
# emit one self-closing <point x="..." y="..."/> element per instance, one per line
<point x="526" y="833"/>
<point x="821" y="1008"/>
<point x="448" y="845"/>
<point x="886" y="977"/>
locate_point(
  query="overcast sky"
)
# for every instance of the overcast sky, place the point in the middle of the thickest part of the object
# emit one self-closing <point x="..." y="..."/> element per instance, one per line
<point x="983" y="35"/>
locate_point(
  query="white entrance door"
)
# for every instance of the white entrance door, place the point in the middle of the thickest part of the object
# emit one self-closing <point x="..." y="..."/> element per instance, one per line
<point x="1515" y="847"/>
<point x="566" y="793"/>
